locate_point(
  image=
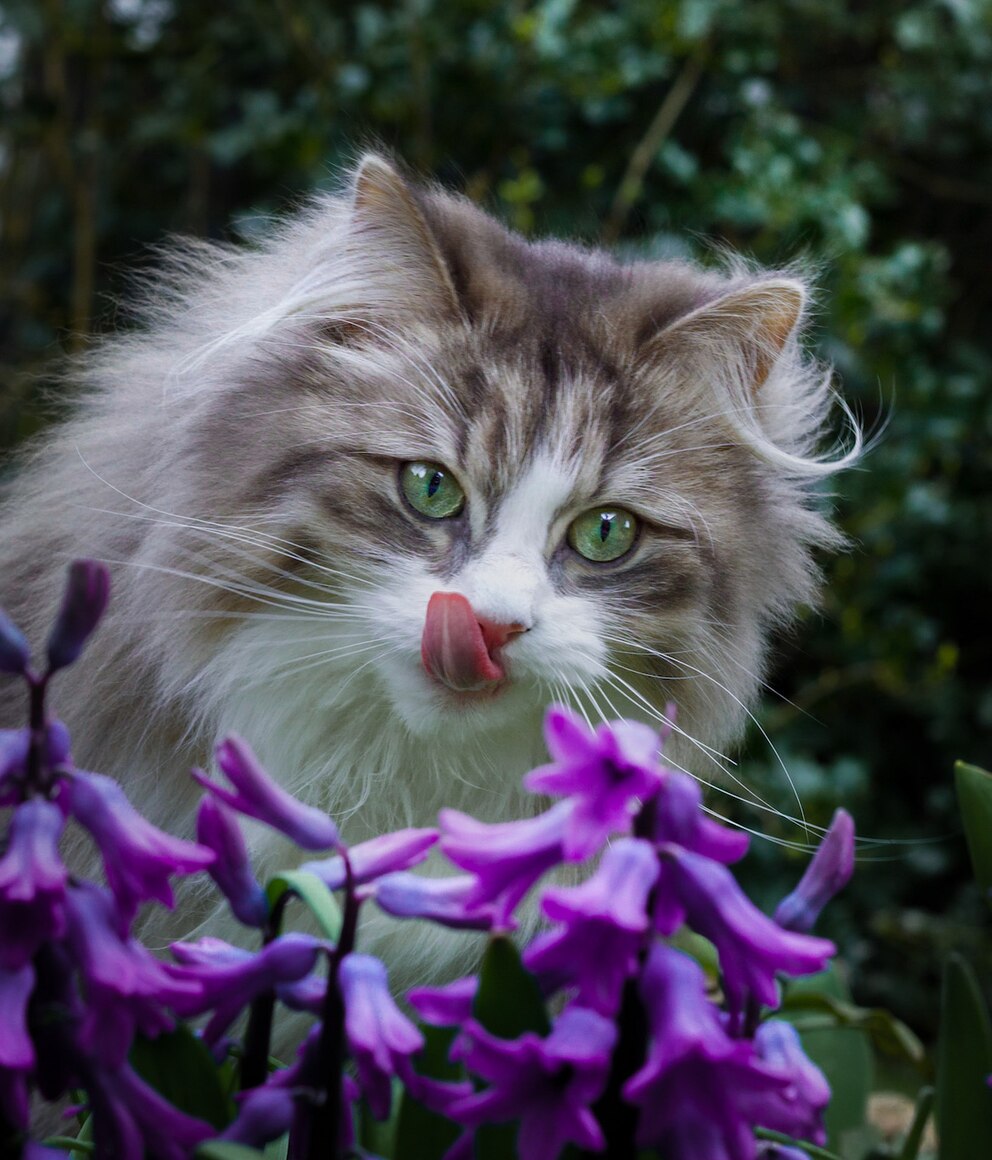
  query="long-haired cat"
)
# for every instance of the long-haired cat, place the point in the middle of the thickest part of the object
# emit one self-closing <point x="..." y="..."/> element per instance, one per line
<point x="376" y="493"/>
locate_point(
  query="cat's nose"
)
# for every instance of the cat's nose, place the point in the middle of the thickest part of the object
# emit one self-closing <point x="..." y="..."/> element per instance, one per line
<point x="496" y="635"/>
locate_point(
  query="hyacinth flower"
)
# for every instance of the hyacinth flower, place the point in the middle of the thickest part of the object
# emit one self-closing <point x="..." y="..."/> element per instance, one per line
<point x="381" y="1038"/>
<point x="606" y="773"/>
<point x="506" y="858"/>
<point x="596" y="949"/>
<point x="700" y="1091"/>
<point x="548" y="1084"/>
<point x="33" y="882"/>
<point x="829" y="872"/>
<point x="138" y="858"/>
<point x="217" y="829"/>
<point x="76" y="986"/>
<point x="256" y="795"/>
<point x="370" y="860"/>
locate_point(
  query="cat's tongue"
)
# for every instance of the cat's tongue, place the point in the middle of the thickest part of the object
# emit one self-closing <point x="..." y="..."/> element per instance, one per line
<point x="453" y="648"/>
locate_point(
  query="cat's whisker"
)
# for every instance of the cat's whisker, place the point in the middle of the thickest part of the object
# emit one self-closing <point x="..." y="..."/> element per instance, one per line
<point x="801" y="819"/>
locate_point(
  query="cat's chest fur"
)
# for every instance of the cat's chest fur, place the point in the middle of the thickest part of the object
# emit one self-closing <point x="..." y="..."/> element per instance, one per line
<point x="375" y="494"/>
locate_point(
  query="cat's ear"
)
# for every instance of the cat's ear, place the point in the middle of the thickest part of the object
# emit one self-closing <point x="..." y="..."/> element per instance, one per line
<point x="754" y="324"/>
<point x="394" y="238"/>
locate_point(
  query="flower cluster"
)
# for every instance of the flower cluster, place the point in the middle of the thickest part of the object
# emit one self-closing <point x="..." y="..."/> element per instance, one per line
<point x="708" y="1074"/>
<point x="641" y="1053"/>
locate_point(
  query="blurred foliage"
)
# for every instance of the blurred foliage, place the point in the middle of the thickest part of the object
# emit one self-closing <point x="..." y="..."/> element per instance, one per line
<point x="855" y="136"/>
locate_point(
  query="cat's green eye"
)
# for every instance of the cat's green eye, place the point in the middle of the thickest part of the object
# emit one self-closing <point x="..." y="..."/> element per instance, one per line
<point x="603" y="533"/>
<point x="432" y="490"/>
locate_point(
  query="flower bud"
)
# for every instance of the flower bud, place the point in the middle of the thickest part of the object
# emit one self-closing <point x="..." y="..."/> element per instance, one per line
<point x="14" y="654"/>
<point x="86" y="594"/>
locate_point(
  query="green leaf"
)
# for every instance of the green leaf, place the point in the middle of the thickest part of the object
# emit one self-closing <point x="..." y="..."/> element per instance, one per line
<point x="75" y="1146"/>
<point x="964" y="1060"/>
<point x="887" y="1033"/>
<point x="179" y="1066"/>
<point x="508" y="1001"/>
<point x="84" y="1141"/>
<point x="924" y="1106"/>
<point x="225" y="1150"/>
<point x="420" y="1133"/>
<point x="309" y="889"/>
<point x="810" y="1149"/>
<point x="842" y="1052"/>
<point x="379" y="1136"/>
<point x="974" y="788"/>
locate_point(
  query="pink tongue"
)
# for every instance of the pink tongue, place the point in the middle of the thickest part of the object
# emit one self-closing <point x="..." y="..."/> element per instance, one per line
<point x="453" y="648"/>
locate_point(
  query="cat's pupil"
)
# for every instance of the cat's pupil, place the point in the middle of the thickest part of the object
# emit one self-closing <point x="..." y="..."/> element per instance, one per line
<point x="434" y="484"/>
<point x="605" y="524"/>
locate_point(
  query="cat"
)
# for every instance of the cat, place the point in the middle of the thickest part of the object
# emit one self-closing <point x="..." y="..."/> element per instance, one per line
<point x="374" y="493"/>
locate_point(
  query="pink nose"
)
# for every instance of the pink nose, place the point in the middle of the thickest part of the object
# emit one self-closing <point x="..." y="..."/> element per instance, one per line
<point x="459" y="648"/>
<point x="496" y="635"/>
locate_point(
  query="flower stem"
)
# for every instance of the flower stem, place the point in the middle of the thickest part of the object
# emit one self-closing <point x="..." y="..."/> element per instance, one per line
<point x="616" y="1116"/>
<point x="37" y="687"/>
<point x="258" y="1033"/>
<point x="325" y="1124"/>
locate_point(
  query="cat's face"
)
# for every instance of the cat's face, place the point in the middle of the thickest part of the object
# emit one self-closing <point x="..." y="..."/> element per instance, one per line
<point x="491" y="474"/>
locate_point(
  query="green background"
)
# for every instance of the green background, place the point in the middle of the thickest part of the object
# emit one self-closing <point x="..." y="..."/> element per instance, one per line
<point x="854" y="135"/>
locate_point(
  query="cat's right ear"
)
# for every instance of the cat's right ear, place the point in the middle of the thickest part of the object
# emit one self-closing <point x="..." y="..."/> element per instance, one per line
<point x="751" y="328"/>
<point x="394" y="244"/>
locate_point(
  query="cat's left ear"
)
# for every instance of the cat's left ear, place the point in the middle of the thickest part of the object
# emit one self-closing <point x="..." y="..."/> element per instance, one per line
<point x="757" y="323"/>
<point x="394" y="240"/>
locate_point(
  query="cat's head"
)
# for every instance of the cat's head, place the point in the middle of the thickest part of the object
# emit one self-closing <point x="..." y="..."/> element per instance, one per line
<point x="485" y="473"/>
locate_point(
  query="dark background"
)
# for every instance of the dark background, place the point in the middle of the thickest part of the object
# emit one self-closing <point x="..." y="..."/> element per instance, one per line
<point x="856" y="135"/>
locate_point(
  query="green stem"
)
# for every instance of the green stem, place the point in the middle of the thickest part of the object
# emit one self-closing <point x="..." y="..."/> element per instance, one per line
<point x="325" y="1124"/>
<point x="258" y="1033"/>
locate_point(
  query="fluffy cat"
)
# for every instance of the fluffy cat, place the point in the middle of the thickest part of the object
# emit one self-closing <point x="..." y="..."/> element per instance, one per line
<point x="397" y="397"/>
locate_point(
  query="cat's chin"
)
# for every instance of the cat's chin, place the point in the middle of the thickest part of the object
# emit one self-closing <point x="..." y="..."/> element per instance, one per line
<point x="429" y="708"/>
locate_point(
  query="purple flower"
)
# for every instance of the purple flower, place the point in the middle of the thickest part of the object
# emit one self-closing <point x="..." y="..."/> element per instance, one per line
<point x="442" y="900"/>
<point x="507" y="858"/>
<point x="447" y="1006"/>
<point x="828" y="872"/>
<point x="126" y="988"/>
<point x="32" y="882"/>
<point x="256" y="795"/>
<point x="700" y="1092"/>
<point x="229" y="978"/>
<point x="679" y="818"/>
<point x="605" y="919"/>
<point x="608" y="772"/>
<point x="129" y="1115"/>
<point x="217" y="829"/>
<point x="16" y="1048"/>
<point x="798" y="1111"/>
<point x="548" y="1084"/>
<point x="138" y="857"/>
<point x="380" y="1036"/>
<point x="752" y="948"/>
<point x="370" y="860"/>
<point x="86" y="594"/>
<point x="35" y="1151"/>
<point x="14" y="652"/>
<point x="264" y="1114"/>
<point x="14" y="746"/>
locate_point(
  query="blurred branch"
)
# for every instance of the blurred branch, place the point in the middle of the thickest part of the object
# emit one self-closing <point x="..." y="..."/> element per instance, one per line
<point x="939" y="185"/>
<point x="657" y="132"/>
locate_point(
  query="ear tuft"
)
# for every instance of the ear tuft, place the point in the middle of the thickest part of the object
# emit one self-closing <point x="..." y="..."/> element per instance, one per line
<point x="759" y="319"/>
